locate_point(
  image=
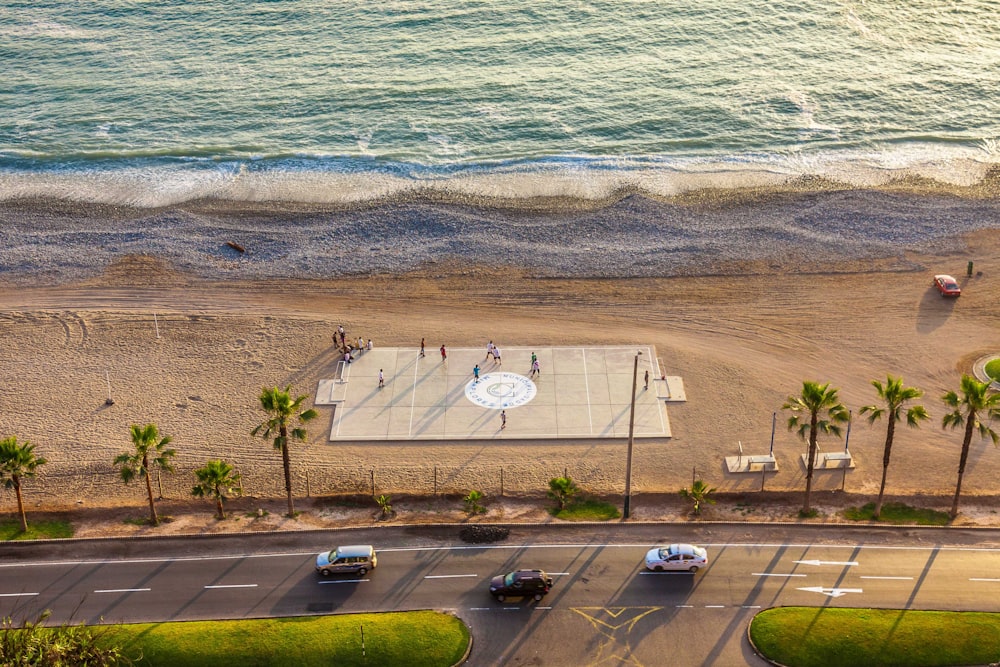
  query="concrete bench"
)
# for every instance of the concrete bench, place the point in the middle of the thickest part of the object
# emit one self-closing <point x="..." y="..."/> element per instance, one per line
<point x="757" y="463"/>
<point x="837" y="459"/>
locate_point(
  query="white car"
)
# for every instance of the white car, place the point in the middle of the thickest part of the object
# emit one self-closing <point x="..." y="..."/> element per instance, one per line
<point x="676" y="557"/>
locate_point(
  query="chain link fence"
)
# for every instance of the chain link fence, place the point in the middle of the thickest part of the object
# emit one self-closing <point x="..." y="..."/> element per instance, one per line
<point x="98" y="483"/>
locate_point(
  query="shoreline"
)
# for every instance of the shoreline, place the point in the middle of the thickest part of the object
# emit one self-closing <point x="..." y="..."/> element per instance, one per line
<point x="712" y="232"/>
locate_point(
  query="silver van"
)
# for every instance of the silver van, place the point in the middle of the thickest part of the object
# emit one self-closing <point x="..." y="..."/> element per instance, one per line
<point x="352" y="559"/>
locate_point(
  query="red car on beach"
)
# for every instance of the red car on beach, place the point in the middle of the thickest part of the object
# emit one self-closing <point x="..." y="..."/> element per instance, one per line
<point x="947" y="285"/>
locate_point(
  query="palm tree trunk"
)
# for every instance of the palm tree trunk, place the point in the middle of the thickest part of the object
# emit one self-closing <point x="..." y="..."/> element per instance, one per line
<point x="218" y="504"/>
<point x="286" y="463"/>
<point x="810" y="463"/>
<point x="890" y="432"/>
<point x="20" y="502"/>
<point x="155" y="520"/>
<point x="966" y="443"/>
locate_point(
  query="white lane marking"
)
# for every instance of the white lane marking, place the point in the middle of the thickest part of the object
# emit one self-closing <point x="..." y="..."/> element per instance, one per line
<point x="715" y="606"/>
<point x="831" y="592"/>
<point x="233" y="586"/>
<point x="545" y="608"/>
<point x="976" y="579"/>
<point x="15" y="595"/>
<point x="510" y="608"/>
<point x="751" y="606"/>
<point x="772" y="574"/>
<point x="684" y="606"/>
<point x="122" y="590"/>
<point x="559" y="574"/>
<point x="669" y="572"/>
<point x="448" y="576"/>
<point x="343" y="581"/>
<point x="826" y="562"/>
<point x="891" y="578"/>
<point x="480" y="608"/>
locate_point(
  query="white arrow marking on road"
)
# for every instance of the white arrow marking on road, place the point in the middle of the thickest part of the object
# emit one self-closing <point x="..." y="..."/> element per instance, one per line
<point x="826" y="562"/>
<point x="832" y="592"/>
<point x="974" y="579"/>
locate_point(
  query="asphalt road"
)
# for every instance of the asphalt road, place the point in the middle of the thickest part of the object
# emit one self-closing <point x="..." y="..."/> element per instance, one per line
<point x="604" y="608"/>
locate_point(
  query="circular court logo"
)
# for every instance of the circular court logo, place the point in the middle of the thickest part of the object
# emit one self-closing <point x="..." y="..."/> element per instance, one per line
<point x="501" y="390"/>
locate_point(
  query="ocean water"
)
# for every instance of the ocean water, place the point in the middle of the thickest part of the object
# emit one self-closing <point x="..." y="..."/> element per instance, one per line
<point x="159" y="103"/>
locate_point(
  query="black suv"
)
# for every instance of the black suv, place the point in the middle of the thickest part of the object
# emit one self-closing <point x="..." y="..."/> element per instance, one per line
<point x="520" y="583"/>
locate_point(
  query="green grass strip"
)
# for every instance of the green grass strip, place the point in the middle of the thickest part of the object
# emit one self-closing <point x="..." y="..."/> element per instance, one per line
<point x="839" y="637"/>
<point x="10" y="529"/>
<point x="898" y="513"/>
<point x="419" y="638"/>
<point x="587" y="509"/>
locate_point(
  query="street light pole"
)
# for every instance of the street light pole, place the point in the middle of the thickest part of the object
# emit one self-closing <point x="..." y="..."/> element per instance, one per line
<point x="631" y="437"/>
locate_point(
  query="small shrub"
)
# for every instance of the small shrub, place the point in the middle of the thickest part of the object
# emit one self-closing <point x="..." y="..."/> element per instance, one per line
<point x="471" y="501"/>
<point x="562" y="490"/>
<point x="698" y="493"/>
<point x="385" y="506"/>
<point x="31" y="643"/>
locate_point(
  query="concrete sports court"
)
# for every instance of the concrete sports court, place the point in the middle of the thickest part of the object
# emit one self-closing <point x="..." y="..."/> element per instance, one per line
<point x="580" y="392"/>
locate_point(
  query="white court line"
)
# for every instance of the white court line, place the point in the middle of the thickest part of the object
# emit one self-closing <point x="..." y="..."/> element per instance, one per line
<point x="413" y="395"/>
<point x="586" y="387"/>
<point x="976" y="579"/>
<point x="122" y="590"/>
<point x="233" y="586"/>
<point x="448" y="576"/>
<point x="899" y="578"/>
<point x="769" y="574"/>
<point x="16" y="595"/>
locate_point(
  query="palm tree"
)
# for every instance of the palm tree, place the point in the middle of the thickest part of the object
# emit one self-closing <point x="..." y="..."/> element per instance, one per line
<point x="894" y="396"/>
<point x="18" y="461"/>
<point x="698" y="493"/>
<point x="815" y="398"/>
<point x="976" y="399"/>
<point x="217" y="481"/>
<point x="562" y="490"/>
<point x="147" y="441"/>
<point x="282" y="412"/>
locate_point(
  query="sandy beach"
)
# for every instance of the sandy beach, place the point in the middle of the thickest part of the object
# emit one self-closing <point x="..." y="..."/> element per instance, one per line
<point x="742" y="332"/>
